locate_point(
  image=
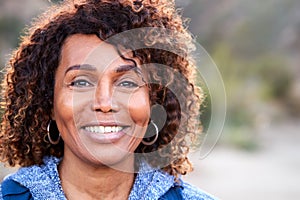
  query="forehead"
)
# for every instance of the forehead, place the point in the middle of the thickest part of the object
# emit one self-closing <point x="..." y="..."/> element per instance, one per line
<point x="79" y="48"/>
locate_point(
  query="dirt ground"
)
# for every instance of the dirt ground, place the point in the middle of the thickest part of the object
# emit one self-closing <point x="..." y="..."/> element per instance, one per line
<point x="271" y="172"/>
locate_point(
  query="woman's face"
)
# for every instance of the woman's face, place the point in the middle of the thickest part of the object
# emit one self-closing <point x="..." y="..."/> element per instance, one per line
<point x="101" y="102"/>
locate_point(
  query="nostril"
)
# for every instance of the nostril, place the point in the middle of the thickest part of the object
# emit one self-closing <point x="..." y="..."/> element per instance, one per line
<point x="104" y="110"/>
<point x="104" y="106"/>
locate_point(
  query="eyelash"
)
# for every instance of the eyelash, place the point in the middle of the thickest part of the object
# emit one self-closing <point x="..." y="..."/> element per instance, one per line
<point x="128" y="84"/>
<point x="83" y="83"/>
<point x="77" y="83"/>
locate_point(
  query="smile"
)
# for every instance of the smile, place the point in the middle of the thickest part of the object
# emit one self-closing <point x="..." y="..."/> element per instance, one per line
<point x="104" y="129"/>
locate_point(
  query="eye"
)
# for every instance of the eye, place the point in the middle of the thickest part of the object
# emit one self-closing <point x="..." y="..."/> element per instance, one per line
<point x="128" y="84"/>
<point x="80" y="83"/>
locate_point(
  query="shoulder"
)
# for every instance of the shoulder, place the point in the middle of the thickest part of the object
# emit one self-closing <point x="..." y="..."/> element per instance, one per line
<point x="13" y="185"/>
<point x="41" y="180"/>
<point x="25" y="174"/>
<point x="35" y="173"/>
<point x="190" y="192"/>
<point x="10" y="189"/>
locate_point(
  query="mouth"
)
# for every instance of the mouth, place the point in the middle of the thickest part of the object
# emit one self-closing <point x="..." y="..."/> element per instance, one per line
<point x="104" y="129"/>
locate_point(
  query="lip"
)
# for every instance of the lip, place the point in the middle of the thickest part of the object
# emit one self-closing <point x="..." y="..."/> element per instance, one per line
<point x="98" y="136"/>
<point x="104" y="123"/>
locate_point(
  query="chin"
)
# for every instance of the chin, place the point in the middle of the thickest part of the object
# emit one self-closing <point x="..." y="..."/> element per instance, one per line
<point x="119" y="159"/>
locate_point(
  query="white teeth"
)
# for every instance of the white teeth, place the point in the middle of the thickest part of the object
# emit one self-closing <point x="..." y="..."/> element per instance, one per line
<point x="103" y="129"/>
<point x="107" y="129"/>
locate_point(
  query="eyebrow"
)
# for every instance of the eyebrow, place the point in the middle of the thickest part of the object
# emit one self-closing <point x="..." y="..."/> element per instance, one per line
<point x="125" y="68"/>
<point x="120" y="69"/>
<point x="81" y="67"/>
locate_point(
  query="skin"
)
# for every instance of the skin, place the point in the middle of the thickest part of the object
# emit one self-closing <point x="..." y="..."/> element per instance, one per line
<point x="95" y="87"/>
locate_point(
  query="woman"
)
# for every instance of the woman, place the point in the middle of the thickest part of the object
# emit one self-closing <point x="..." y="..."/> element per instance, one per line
<point x="89" y="114"/>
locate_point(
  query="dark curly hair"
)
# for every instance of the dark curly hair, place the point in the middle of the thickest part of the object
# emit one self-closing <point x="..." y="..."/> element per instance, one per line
<point x="29" y="84"/>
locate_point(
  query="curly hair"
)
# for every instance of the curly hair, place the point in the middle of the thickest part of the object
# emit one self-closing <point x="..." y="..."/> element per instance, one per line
<point x="29" y="84"/>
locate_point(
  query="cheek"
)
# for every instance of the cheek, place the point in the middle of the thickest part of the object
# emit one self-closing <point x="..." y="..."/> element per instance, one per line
<point x="66" y="105"/>
<point x="139" y="108"/>
<point x="63" y="108"/>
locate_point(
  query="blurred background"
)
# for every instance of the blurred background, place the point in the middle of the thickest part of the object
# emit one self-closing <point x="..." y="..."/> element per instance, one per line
<point x="256" y="46"/>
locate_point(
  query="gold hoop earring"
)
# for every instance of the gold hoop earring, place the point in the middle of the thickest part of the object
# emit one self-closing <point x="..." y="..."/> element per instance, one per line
<point x="52" y="128"/>
<point x="155" y="138"/>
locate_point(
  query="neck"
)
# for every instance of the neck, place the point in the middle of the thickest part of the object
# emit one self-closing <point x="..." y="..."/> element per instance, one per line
<point x="82" y="181"/>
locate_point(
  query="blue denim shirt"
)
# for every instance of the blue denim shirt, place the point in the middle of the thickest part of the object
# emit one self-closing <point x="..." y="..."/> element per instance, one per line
<point x="44" y="183"/>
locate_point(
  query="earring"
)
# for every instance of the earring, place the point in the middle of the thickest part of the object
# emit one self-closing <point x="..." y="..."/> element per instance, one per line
<point x="156" y="135"/>
<point x="53" y="128"/>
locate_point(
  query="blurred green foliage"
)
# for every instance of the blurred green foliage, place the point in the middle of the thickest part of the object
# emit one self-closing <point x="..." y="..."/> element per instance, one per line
<point x="252" y="43"/>
<point x="10" y="29"/>
<point x="251" y="86"/>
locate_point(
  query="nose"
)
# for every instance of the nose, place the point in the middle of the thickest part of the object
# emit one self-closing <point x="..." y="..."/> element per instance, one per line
<point x="103" y="100"/>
